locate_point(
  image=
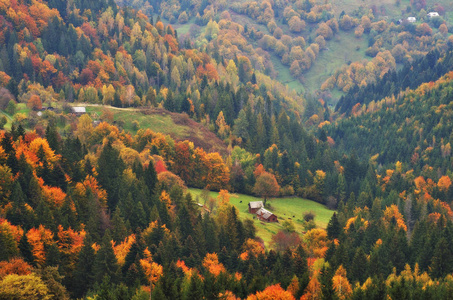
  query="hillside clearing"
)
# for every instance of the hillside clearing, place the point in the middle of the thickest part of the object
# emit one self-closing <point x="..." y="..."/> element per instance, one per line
<point x="285" y="208"/>
<point x="179" y="126"/>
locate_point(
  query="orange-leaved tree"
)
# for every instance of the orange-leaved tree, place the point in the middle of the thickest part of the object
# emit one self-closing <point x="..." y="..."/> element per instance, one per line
<point x="212" y="265"/>
<point x="38" y="239"/>
<point x="273" y="292"/>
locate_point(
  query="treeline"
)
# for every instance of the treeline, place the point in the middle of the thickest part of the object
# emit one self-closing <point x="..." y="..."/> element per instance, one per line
<point x="428" y="68"/>
<point x="412" y="129"/>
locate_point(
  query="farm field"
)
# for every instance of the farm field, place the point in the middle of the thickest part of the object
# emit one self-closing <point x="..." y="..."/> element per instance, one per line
<point x="285" y="208"/>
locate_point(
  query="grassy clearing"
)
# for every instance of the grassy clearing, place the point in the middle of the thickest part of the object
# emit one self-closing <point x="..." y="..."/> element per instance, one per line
<point x="156" y="122"/>
<point x="350" y="5"/>
<point x="22" y="108"/>
<point x="341" y="50"/>
<point x="284" y="208"/>
<point x="183" y="29"/>
<point x="9" y="122"/>
<point x="179" y="126"/>
<point x="285" y="77"/>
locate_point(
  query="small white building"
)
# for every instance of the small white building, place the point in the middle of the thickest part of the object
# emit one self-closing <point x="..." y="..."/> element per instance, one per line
<point x="79" y="110"/>
<point x="433" y="14"/>
<point x="411" y="19"/>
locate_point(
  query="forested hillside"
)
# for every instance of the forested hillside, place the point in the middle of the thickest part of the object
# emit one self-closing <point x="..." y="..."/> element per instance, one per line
<point x="312" y="45"/>
<point x="96" y="207"/>
<point x="428" y="68"/>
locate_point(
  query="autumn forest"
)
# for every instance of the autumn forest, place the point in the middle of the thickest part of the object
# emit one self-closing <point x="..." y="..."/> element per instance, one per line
<point x="134" y="134"/>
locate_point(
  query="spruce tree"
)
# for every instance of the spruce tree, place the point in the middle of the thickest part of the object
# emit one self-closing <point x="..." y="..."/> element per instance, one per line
<point x="334" y="228"/>
<point x="110" y="169"/>
<point x="105" y="263"/>
<point x="25" y="249"/>
<point x="151" y="178"/>
<point x="83" y="275"/>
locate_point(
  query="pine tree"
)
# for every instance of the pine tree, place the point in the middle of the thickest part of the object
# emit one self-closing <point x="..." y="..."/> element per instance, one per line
<point x="194" y="290"/>
<point x="119" y="229"/>
<point x="334" y="228"/>
<point x="83" y="275"/>
<point x="18" y="214"/>
<point x="25" y="249"/>
<point x="110" y="169"/>
<point x="151" y="178"/>
<point x="359" y="267"/>
<point x="169" y="103"/>
<point x="53" y="255"/>
<point x="185" y="223"/>
<point x="53" y="137"/>
<point x="442" y="260"/>
<point x="8" y="247"/>
<point x="105" y="263"/>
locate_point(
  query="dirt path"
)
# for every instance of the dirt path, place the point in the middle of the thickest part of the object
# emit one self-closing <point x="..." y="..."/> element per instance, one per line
<point x="113" y="107"/>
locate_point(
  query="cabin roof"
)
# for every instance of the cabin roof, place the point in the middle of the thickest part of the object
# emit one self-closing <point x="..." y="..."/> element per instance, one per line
<point x="256" y="204"/>
<point x="79" y="109"/>
<point x="264" y="213"/>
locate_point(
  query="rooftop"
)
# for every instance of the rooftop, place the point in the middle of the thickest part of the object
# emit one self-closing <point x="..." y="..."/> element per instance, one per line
<point x="256" y="204"/>
<point x="264" y="213"/>
<point x="79" y="109"/>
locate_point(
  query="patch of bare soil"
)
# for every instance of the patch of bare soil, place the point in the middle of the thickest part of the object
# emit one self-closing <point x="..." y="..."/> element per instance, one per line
<point x="199" y="135"/>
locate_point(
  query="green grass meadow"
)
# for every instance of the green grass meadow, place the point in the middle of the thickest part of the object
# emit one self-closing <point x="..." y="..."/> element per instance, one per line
<point x="285" y="77"/>
<point x="283" y="208"/>
<point x="339" y="51"/>
<point x="157" y="122"/>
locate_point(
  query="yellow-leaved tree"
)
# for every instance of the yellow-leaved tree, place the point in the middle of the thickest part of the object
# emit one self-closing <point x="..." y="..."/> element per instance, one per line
<point x="341" y="284"/>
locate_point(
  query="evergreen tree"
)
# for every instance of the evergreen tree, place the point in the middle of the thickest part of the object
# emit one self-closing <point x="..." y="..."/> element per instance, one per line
<point x="53" y="137"/>
<point x="359" y="270"/>
<point x="442" y="260"/>
<point x="84" y="274"/>
<point x="150" y="177"/>
<point x="105" y="263"/>
<point x="334" y="228"/>
<point x="194" y="290"/>
<point x="25" y="249"/>
<point x="119" y="229"/>
<point x="110" y="169"/>
<point x="185" y="223"/>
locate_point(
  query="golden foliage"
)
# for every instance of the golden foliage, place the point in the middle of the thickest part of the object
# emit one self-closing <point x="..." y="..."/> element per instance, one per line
<point x="341" y="285"/>
<point x="313" y="289"/>
<point x="393" y="212"/>
<point x="122" y="249"/>
<point x="253" y="247"/>
<point x="14" y="266"/>
<point x="316" y="242"/>
<point x="444" y="183"/>
<point x="273" y="292"/>
<point x="38" y="238"/>
<point x="53" y="195"/>
<point x="70" y="242"/>
<point x="293" y="287"/>
<point x="211" y="263"/>
<point x="228" y="295"/>
<point x="91" y="183"/>
<point x="153" y="271"/>
<point x="15" y="231"/>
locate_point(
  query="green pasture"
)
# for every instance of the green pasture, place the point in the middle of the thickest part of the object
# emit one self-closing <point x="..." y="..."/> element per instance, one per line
<point x="159" y="122"/>
<point x="341" y="50"/>
<point x="285" y="77"/>
<point x="284" y="208"/>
